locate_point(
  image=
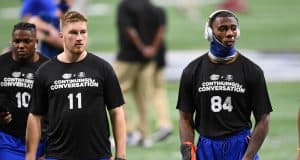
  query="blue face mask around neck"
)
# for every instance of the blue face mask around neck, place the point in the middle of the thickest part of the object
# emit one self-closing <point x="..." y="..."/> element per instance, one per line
<point x="219" y="50"/>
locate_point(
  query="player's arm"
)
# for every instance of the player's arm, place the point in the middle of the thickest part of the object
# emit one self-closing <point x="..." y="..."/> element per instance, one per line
<point x="46" y="32"/>
<point x="33" y="135"/>
<point x="158" y="38"/>
<point x="187" y="134"/>
<point x="117" y="117"/>
<point x="147" y="50"/>
<point x="135" y="38"/>
<point x="186" y="127"/>
<point x="258" y="136"/>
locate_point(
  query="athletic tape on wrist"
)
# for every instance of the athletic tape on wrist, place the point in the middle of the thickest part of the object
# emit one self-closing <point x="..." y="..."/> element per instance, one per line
<point x="192" y="151"/>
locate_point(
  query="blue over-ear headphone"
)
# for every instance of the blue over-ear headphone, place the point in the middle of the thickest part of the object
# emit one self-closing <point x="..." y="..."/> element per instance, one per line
<point x="208" y="32"/>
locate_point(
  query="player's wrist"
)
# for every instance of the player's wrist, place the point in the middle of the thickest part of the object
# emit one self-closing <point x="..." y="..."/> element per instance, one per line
<point x="298" y="149"/>
<point x="188" y="151"/>
<point x="188" y="143"/>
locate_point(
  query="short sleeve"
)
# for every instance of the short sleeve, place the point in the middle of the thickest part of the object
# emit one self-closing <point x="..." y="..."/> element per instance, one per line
<point x="112" y="91"/>
<point x="39" y="97"/>
<point x="259" y="94"/>
<point x="185" y="101"/>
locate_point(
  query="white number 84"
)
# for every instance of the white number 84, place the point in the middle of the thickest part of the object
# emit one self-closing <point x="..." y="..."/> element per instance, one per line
<point x="217" y="106"/>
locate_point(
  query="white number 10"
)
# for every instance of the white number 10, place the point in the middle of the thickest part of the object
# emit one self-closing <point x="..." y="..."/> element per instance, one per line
<point x="23" y="99"/>
<point x="71" y="100"/>
<point x="217" y="106"/>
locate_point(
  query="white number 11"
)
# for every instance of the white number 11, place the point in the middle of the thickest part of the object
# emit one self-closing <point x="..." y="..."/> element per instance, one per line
<point x="71" y="100"/>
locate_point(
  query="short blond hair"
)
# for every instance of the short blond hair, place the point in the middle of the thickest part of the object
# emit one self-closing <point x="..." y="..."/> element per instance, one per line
<point x="71" y="17"/>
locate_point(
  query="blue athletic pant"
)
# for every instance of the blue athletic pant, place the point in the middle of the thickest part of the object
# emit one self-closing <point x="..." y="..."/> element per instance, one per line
<point x="229" y="148"/>
<point x="12" y="148"/>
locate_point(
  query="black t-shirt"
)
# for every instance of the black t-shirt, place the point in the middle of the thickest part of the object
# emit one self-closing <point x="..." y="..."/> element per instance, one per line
<point x="74" y="97"/>
<point x="223" y="95"/>
<point x="145" y="19"/>
<point x="16" y="80"/>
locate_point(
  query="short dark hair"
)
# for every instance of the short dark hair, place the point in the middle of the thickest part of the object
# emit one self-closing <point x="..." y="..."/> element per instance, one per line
<point x="222" y="14"/>
<point x="24" y="26"/>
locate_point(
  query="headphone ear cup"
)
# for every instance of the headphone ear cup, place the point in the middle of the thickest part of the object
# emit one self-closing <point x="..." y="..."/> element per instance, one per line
<point x="208" y="33"/>
<point x="238" y="33"/>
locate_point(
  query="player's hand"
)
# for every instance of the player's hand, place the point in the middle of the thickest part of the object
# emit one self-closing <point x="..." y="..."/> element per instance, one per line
<point x="149" y="51"/>
<point x="188" y="151"/>
<point x="5" y="117"/>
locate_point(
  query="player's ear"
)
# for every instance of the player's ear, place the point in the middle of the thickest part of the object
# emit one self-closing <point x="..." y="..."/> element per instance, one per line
<point x="60" y="34"/>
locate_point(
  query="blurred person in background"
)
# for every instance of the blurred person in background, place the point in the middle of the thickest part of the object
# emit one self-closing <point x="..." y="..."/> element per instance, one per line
<point x="17" y="71"/>
<point x="222" y="89"/>
<point x="140" y="33"/>
<point x="45" y="14"/>
<point x="160" y="98"/>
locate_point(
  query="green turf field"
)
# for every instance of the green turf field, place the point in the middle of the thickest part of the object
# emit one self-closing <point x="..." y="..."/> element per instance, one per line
<point x="270" y="25"/>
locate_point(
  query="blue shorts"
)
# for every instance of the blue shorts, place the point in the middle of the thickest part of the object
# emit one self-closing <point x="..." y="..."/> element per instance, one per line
<point x="229" y="148"/>
<point x="14" y="148"/>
